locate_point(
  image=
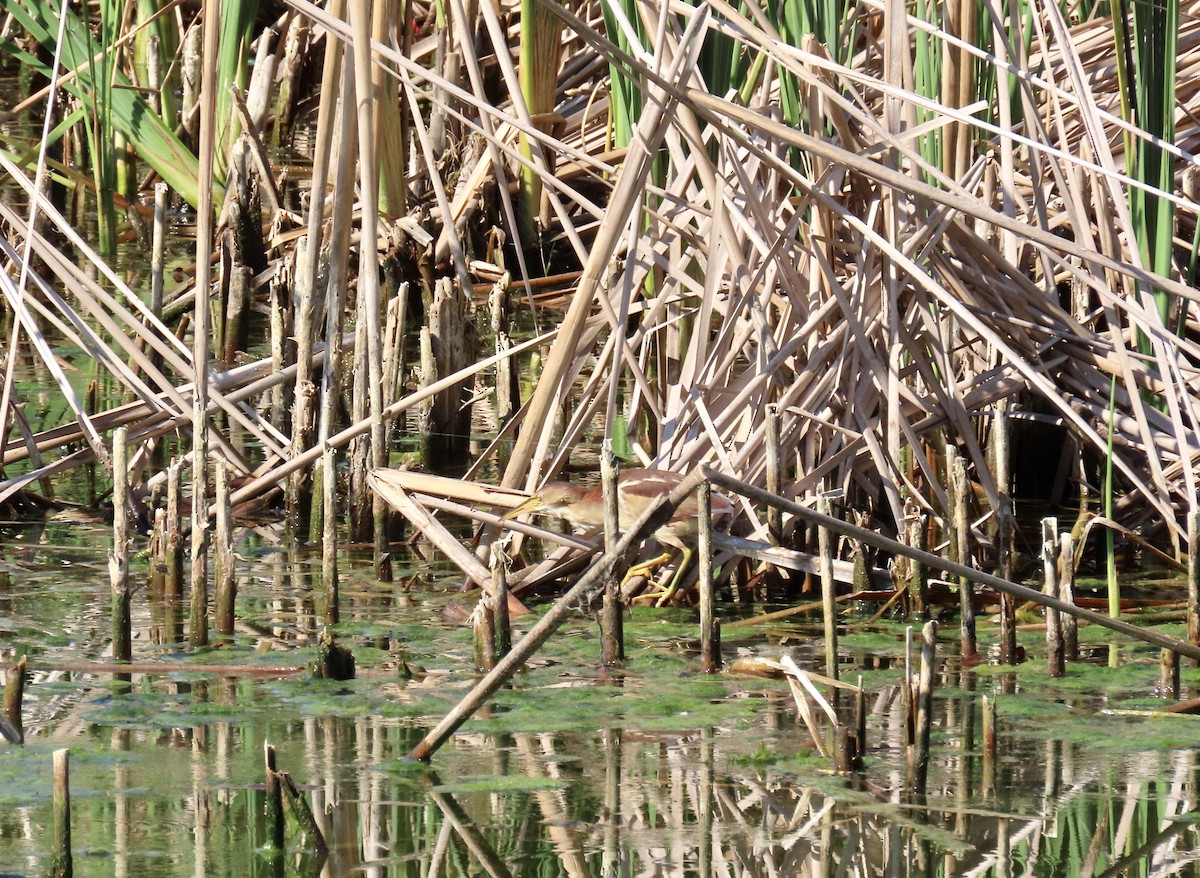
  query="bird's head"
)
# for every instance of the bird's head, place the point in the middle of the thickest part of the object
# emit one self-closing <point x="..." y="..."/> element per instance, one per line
<point x="564" y="500"/>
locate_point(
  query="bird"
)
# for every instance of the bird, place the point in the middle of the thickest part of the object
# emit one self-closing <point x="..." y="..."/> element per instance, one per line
<point x="637" y="490"/>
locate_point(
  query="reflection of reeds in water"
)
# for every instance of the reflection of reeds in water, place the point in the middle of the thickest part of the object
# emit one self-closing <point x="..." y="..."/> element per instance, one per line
<point x="669" y="801"/>
<point x="889" y="241"/>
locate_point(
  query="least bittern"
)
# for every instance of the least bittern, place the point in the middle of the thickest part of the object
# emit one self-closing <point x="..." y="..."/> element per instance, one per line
<point x="637" y="490"/>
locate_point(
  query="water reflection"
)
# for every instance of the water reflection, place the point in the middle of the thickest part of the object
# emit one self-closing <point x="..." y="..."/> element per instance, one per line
<point x="168" y="776"/>
<point x="613" y="803"/>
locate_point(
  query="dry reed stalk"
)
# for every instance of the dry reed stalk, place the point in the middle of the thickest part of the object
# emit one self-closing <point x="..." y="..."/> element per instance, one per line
<point x="308" y="315"/>
<point x="198" y="632"/>
<point x="118" y="558"/>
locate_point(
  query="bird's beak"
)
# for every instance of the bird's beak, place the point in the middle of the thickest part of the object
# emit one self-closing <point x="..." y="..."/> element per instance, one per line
<point x="532" y="503"/>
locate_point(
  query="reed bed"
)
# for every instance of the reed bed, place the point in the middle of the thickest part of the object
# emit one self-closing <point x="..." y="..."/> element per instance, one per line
<point x="910" y="229"/>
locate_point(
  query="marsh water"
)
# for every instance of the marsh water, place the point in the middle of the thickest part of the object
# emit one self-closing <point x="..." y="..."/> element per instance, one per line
<point x="654" y="770"/>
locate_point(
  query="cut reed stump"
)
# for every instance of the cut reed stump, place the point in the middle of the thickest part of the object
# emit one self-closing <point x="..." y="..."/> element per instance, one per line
<point x="334" y="661"/>
<point x="508" y="387"/>
<point x="1055" y="656"/>
<point x="774" y="461"/>
<point x="502" y="622"/>
<point x="483" y="622"/>
<point x="244" y="253"/>
<point x="847" y="758"/>
<point x="1066" y="592"/>
<point x="918" y="577"/>
<point x="919" y="764"/>
<point x="173" y="544"/>
<point x="989" y="744"/>
<point x="1193" y="597"/>
<point x="612" y="613"/>
<point x="828" y="594"/>
<point x="223" y="556"/>
<point x="14" y="695"/>
<point x="61" y="865"/>
<point x="118" y="558"/>
<point x="960" y="531"/>
<point x="1009" y="654"/>
<point x="860" y="717"/>
<point x="274" y="801"/>
<point x="710" y="625"/>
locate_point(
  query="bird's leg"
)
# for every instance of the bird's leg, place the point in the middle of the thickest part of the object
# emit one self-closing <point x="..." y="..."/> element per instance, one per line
<point x="645" y="567"/>
<point x="684" y="560"/>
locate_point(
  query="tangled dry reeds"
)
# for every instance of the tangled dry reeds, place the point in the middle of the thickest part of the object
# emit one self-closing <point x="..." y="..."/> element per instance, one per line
<point x="913" y="237"/>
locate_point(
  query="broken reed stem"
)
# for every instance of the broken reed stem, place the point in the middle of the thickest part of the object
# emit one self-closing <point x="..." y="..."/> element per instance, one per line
<point x="774" y="472"/>
<point x="14" y="697"/>
<point x="828" y="594"/>
<point x="275" y="819"/>
<point x="61" y="865"/>
<point x="502" y="621"/>
<point x="118" y="556"/>
<point x="918" y="580"/>
<point x="223" y="557"/>
<point x="924" y="706"/>
<point x="1193" y="610"/>
<point x="710" y="625"/>
<point x="1066" y="593"/>
<point x="612" y="614"/>
<point x="962" y="551"/>
<point x="1055" y="660"/>
<point x="483" y="624"/>
<point x="580" y="593"/>
<point x="173" y="537"/>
